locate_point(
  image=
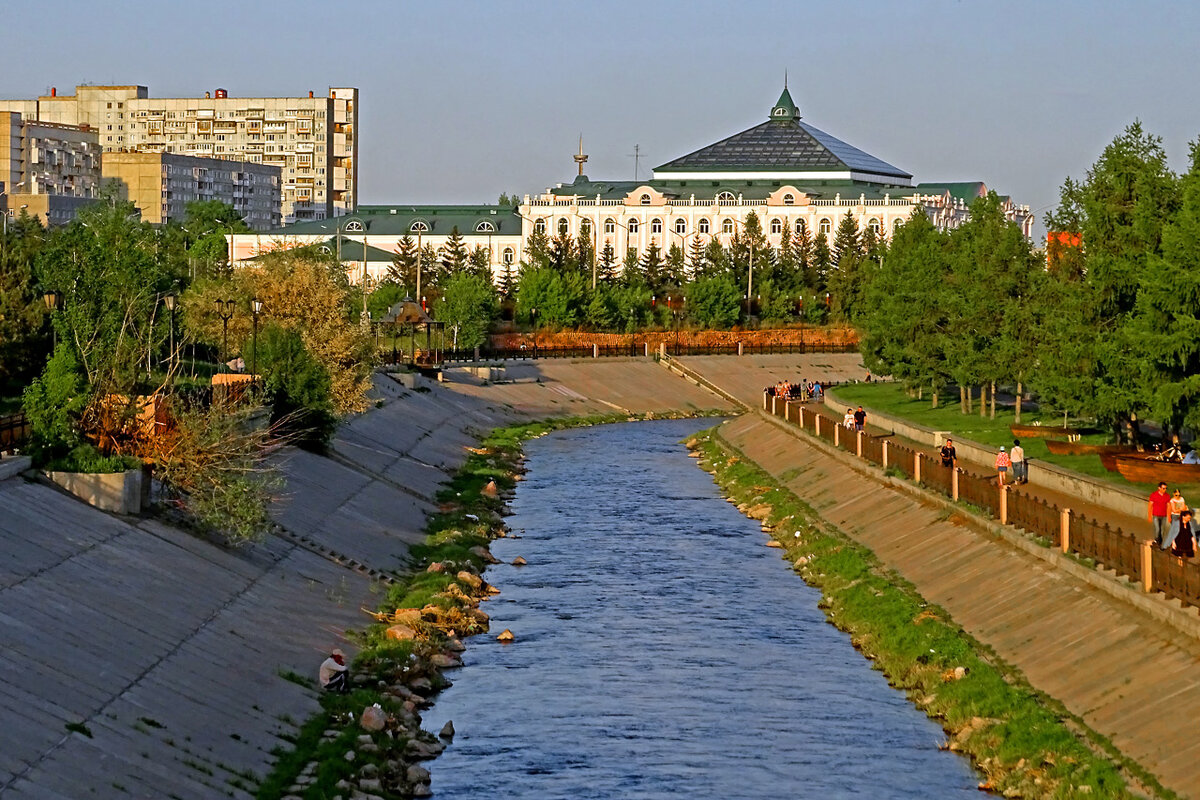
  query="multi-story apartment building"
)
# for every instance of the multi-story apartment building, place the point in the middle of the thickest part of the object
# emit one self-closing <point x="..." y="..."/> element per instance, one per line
<point x="47" y="170"/>
<point x="313" y="140"/>
<point x="162" y="184"/>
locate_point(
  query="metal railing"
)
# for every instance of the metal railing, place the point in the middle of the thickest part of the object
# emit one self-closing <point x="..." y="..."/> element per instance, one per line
<point x="14" y="431"/>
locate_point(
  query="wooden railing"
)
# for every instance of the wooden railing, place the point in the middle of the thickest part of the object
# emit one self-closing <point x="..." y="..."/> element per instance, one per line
<point x="14" y="431"/>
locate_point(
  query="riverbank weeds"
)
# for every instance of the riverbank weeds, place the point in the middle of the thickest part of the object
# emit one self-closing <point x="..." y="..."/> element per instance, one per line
<point x="1024" y="743"/>
<point x="369" y="743"/>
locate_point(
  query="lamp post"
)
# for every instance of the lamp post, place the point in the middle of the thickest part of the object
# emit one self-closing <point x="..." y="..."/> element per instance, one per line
<point x="169" y="301"/>
<point x="255" y="307"/>
<point x="749" y="268"/>
<point x="225" y="312"/>
<point x="50" y="298"/>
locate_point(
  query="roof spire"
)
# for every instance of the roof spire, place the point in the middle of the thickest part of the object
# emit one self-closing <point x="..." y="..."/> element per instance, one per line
<point x="580" y="158"/>
<point x="785" y="109"/>
<point x="785" y="79"/>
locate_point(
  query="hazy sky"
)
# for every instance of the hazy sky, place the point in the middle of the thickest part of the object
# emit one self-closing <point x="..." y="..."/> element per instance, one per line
<point x="463" y="100"/>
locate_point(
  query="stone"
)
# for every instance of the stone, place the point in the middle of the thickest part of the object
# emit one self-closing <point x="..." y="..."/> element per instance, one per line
<point x="455" y="645"/>
<point x="445" y="661"/>
<point x="422" y="790"/>
<point x="774" y="544"/>
<point x="505" y="636"/>
<point x="421" y="685"/>
<point x="417" y="774"/>
<point x="519" y="562"/>
<point x="490" y="490"/>
<point x="800" y="562"/>
<point x="369" y="771"/>
<point x="365" y="738"/>
<point x="447" y="731"/>
<point x="492" y="590"/>
<point x="480" y="616"/>
<point x="483" y="553"/>
<point x="371" y="785"/>
<point x="436" y="566"/>
<point x="373" y="719"/>
<point x="371" y="749"/>
<point x="469" y="579"/>
<point x="350" y="755"/>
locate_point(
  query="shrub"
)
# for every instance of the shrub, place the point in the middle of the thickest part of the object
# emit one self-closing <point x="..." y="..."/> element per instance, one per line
<point x="53" y="403"/>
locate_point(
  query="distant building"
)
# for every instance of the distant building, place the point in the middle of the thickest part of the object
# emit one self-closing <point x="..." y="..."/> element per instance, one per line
<point x="47" y="170"/>
<point x="313" y="140"/>
<point x="162" y="184"/>
<point x="792" y="175"/>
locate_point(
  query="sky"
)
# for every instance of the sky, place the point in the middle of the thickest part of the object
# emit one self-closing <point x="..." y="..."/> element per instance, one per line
<point x="461" y="101"/>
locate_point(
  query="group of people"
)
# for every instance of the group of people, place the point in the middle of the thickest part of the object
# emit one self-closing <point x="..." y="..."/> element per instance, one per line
<point x="801" y="390"/>
<point x="1172" y="522"/>
<point x="1015" y="460"/>
<point x="854" y="420"/>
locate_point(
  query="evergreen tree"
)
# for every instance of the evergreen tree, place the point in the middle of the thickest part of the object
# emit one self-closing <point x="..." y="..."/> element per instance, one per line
<point x="716" y="259"/>
<point x="786" y="273"/>
<point x="802" y="244"/>
<point x="537" y="251"/>
<point x="650" y="268"/>
<point x="508" y="282"/>
<point x="675" y="270"/>
<point x="563" y="257"/>
<point x="454" y="255"/>
<point x="403" y="269"/>
<point x="430" y="269"/>
<point x="479" y="262"/>
<point x="631" y="274"/>
<point x="24" y="339"/>
<point x="696" y="263"/>
<point x="606" y="268"/>
<point x="822" y="261"/>
<point x="585" y="253"/>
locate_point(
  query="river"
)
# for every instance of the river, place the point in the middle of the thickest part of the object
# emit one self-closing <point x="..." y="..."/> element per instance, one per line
<point x="662" y="651"/>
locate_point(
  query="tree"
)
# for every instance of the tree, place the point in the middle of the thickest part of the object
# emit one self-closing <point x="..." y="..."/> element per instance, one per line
<point x="563" y="256"/>
<point x="606" y="268"/>
<point x="24" y="342"/>
<point x="479" y="262"/>
<point x="631" y="273"/>
<point x="537" y="251"/>
<point x="298" y="386"/>
<point x="714" y="302"/>
<point x="601" y="312"/>
<point x="802" y="245"/>
<point x="696" y="263"/>
<point x="468" y="306"/>
<point x="454" y="255"/>
<point x="203" y="230"/>
<point x="716" y="259"/>
<point x="555" y="297"/>
<point x="386" y="295"/>
<point x="403" y="269"/>
<point x="847" y="281"/>
<point x="650" y="268"/>
<point x="675" y="270"/>
<point x="822" y="261"/>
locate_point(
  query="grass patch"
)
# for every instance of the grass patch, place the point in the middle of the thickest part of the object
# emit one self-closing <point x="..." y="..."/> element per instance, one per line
<point x="891" y="399"/>
<point x="1024" y="742"/>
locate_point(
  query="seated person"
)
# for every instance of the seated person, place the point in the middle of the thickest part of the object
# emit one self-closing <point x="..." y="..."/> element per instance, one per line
<point x="334" y="673"/>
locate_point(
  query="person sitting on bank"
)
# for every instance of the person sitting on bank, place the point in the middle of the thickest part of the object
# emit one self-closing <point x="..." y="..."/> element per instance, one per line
<point x="948" y="454"/>
<point x="334" y="673"/>
<point x="1183" y="545"/>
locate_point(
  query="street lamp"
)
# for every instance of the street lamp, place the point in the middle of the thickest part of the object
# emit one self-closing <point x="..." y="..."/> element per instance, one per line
<point x="50" y="298"/>
<point x="169" y="301"/>
<point x="255" y="307"/>
<point x="225" y="312"/>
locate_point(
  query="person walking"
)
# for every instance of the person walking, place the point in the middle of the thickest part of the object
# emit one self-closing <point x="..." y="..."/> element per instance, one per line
<point x="848" y="419"/>
<point x="1184" y="543"/>
<point x="1020" y="467"/>
<point x="1158" y="512"/>
<point x="948" y="454"/>
<point x="1002" y="464"/>
<point x="860" y="419"/>
<point x="1175" y="507"/>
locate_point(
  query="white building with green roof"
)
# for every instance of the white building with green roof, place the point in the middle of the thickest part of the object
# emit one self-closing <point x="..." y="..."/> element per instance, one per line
<point x="791" y="174"/>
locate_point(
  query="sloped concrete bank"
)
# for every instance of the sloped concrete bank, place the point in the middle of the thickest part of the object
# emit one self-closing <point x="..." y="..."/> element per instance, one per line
<point x="1111" y="665"/>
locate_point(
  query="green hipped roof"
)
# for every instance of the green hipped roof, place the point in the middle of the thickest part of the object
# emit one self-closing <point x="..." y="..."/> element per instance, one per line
<point x="749" y="190"/>
<point x="397" y="220"/>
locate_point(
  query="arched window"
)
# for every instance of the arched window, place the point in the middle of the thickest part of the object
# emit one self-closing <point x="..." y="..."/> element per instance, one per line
<point x="656" y="225"/>
<point x="324" y="250"/>
<point x="610" y="226"/>
<point x="727" y="226"/>
<point x="539" y="225"/>
<point x="725" y="197"/>
<point x="507" y="255"/>
<point x="632" y="227"/>
<point x="419" y="226"/>
<point x="353" y="226"/>
<point x="824" y="225"/>
<point x="585" y="227"/>
<point x="801" y="225"/>
<point x="896" y="225"/>
<point x="776" y="226"/>
<point x="873" y="224"/>
<point x="789" y="199"/>
<point x="702" y="225"/>
<point x="681" y="226"/>
<point x="485" y="227"/>
<point x="563" y="226"/>
<point x="644" y="199"/>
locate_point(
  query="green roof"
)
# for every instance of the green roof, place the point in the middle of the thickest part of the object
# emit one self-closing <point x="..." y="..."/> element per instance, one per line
<point x="748" y="189"/>
<point x="397" y="220"/>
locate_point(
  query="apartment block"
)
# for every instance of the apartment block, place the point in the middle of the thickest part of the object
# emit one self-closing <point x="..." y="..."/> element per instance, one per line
<point x="162" y="184"/>
<point x="47" y="170"/>
<point x="312" y="140"/>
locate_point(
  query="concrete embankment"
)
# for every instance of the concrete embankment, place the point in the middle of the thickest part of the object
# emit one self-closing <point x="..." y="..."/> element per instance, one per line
<point x="1126" y="674"/>
<point x="164" y="653"/>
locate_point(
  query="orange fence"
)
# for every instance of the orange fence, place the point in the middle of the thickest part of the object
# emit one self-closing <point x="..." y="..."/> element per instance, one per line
<point x="1125" y="553"/>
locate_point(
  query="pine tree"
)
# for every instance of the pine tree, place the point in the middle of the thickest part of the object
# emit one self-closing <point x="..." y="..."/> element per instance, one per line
<point x="606" y="268"/>
<point x="650" y="268"/>
<point x="822" y="262"/>
<point x="537" y="251"/>
<point x="479" y="262"/>
<point x="403" y="269"/>
<point x="802" y="245"/>
<point x="454" y="255"/>
<point x="585" y="253"/>
<point x="563" y="258"/>
<point x="716" y="259"/>
<point x="674" y="272"/>
<point x="631" y="274"/>
<point x="696" y="263"/>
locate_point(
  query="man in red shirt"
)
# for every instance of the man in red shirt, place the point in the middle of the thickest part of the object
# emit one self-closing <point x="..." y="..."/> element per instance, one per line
<point x="1157" y="512"/>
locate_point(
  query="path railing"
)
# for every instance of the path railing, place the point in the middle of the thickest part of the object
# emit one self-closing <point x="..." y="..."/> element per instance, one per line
<point x="634" y="348"/>
<point x="1123" y="552"/>
<point x="14" y="431"/>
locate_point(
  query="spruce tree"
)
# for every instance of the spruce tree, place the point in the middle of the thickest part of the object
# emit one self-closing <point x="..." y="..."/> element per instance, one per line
<point x="631" y="274"/>
<point x="606" y="268"/>
<point x="454" y="255"/>
<point x="821" y="263"/>
<point x="696" y="263"/>
<point x="403" y="269"/>
<point x="650" y="268"/>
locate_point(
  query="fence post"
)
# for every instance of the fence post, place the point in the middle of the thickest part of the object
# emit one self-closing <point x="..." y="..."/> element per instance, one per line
<point x="595" y="350"/>
<point x="837" y="435"/>
<point x="662" y="349"/>
<point x="646" y="347"/>
<point x="1064" y="532"/>
<point x="764" y="401"/>
<point x="1147" y="566"/>
<point x="885" y="454"/>
<point x="739" y="348"/>
<point x="917" y="468"/>
<point x="954" y="483"/>
<point x="801" y="415"/>
<point x="1003" y="504"/>
<point x="774" y="405"/>
<point x="817" y="425"/>
<point x="859" y="444"/>
<point x="476" y="352"/>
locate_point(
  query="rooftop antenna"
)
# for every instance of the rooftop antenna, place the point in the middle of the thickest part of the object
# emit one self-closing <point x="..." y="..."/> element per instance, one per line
<point x="636" y="155"/>
<point x="580" y="158"/>
<point x="785" y="79"/>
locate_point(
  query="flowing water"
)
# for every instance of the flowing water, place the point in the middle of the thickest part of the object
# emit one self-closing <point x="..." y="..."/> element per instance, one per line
<point x="662" y="651"/>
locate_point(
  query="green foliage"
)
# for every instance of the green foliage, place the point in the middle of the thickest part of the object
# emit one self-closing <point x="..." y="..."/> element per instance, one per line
<point x="24" y="340"/>
<point x="403" y="269"/>
<point x="714" y="302"/>
<point x="87" y="458"/>
<point x="386" y="295"/>
<point x="469" y="304"/>
<point x="454" y="255"/>
<point x="53" y="403"/>
<point x="297" y="385"/>
<point x="548" y="297"/>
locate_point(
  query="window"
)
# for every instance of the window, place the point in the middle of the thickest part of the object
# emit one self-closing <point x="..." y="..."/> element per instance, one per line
<point x="632" y="227"/>
<point x="873" y="224"/>
<point x="702" y="225"/>
<point x="644" y="199"/>
<point x="539" y="225"/>
<point x="789" y="199"/>
<point x="681" y="226"/>
<point x="610" y="226"/>
<point x="824" y="225"/>
<point x="725" y="197"/>
<point x="727" y="226"/>
<point x="419" y="226"/>
<point x="563" y="226"/>
<point x="776" y="226"/>
<point x="507" y="256"/>
<point x="485" y="227"/>
<point x="896" y="224"/>
<point x="801" y="226"/>
<point x="656" y="225"/>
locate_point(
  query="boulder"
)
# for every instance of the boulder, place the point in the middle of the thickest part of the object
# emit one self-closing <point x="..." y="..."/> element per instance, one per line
<point x="505" y="636"/>
<point x="421" y="685"/>
<point x="483" y="553"/>
<point x="775" y="544"/>
<point x="373" y="719"/>
<point x="447" y="731"/>
<point x="445" y="661"/>
<point x="454" y="645"/>
<point x="490" y="490"/>
<point x="436" y="566"/>
<point x="417" y="774"/>
<point x="469" y="579"/>
<point x="400" y="633"/>
<point x="519" y="562"/>
<point x="422" y="790"/>
<point x="371" y="785"/>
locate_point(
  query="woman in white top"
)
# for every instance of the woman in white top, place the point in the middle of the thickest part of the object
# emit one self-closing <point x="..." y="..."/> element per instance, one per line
<point x="848" y="420"/>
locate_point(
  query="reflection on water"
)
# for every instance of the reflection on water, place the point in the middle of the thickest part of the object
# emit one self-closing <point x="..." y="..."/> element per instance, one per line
<point x="663" y="652"/>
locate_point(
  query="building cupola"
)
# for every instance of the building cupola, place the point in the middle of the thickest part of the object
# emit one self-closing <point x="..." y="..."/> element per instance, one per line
<point x="785" y="109"/>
